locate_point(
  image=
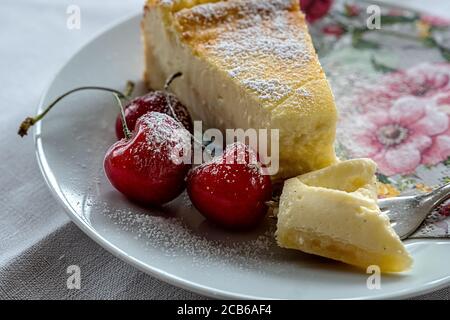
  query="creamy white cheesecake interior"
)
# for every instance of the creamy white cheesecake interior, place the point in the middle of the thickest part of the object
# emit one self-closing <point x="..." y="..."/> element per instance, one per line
<point x="245" y="64"/>
<point x="333" y="213"/>
<point x="251" y="64"/>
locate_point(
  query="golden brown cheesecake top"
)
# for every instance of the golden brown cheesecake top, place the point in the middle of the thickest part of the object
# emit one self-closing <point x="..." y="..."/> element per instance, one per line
<point x="262" y="44"/>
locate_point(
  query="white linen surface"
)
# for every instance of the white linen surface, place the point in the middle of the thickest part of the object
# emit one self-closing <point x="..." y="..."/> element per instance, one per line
<point x="37" y="239"/>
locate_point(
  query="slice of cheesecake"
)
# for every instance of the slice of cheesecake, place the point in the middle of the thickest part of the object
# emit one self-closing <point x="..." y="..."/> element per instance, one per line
<point x="245" y="64"/>
<point x="333" y="213"/>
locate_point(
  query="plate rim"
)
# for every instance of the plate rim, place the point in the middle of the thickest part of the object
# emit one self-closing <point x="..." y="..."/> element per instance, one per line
<point x="159" y="274"/>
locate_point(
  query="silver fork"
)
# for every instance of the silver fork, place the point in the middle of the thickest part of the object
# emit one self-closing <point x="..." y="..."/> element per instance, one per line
<point x="408" y="213"/>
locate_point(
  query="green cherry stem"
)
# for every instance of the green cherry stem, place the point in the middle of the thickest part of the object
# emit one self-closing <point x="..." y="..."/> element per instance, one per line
<point x="166" y="88"/>
<point x="30" y="121"/>
<point x="126" y="131"/>
<point x="172" y="110"/>
<point x="129" y="88"/>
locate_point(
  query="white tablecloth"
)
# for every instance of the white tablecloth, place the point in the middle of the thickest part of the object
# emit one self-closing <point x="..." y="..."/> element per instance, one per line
<point x="37" y="240"/>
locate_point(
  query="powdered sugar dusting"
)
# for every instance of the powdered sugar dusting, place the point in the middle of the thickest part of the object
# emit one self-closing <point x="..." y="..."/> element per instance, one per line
<point x="174" y="237"/>
<point x="237" y="163"/>
<point x="165" y="135"/>
<point x="256" y="41"/>
<point x="303" y="92"/>
<point x="166" y="2"/>
<point x="268" y="89"/>
<point x="163" y="129"/>
<point x="275" y="40"/>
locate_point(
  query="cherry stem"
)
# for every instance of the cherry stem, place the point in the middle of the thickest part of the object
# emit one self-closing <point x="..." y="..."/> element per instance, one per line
<point x="129" y="88"/>
<point x="126" y="131"/>
<point x="166" y="88"/>
<point x="30" y="121"/>
<point x="172" y="110"/>
<point x="170" y="80"/>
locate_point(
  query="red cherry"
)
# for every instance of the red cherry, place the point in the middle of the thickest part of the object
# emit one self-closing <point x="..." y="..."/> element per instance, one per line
<point x="231" y="190"/>
<point x="333" y="30"/>
<point x="143" y="167"/>
<point x="315" y="9"/>
<point x="156" y="101"/>
<point x="352" y="10"/>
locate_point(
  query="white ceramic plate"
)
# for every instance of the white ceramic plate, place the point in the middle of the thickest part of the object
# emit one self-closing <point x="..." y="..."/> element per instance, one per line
<point x="175" y="244"/>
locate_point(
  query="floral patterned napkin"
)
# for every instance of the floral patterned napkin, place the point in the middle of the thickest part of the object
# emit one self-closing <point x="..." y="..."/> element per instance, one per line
<point x="392" y="88"/>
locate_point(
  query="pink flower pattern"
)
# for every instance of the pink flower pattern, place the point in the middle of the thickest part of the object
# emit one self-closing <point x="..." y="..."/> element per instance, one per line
<point x="402" y="118"/>
<point x="424" y="80"/>
<point x="405" y="121"/>
<point x="435" y="21"/>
